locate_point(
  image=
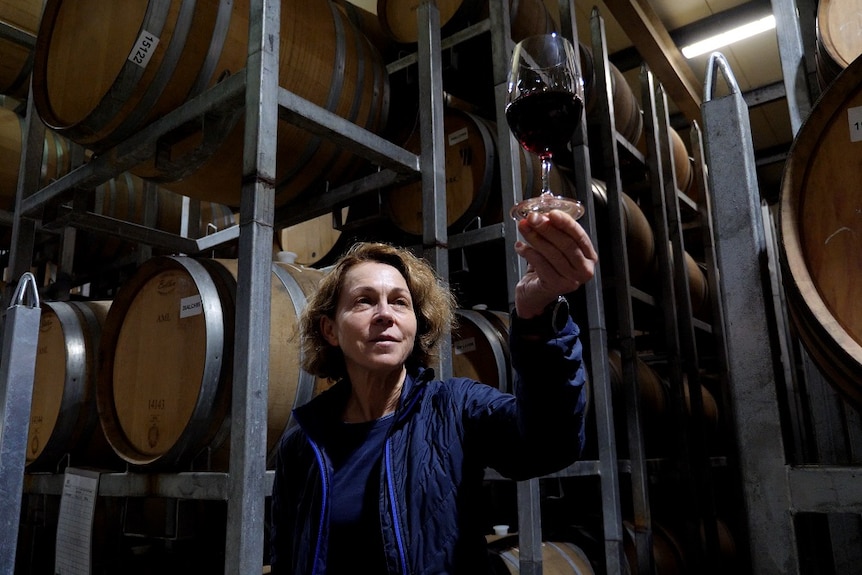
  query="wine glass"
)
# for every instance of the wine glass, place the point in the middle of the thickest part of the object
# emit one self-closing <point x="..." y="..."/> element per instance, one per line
<point x="544" y="104"/>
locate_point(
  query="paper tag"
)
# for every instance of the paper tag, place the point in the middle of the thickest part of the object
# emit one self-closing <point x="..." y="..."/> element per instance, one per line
<point x="458" y="136"/>
<point x="75" y="522"/>
<point x="143" y="49"/>
<point x="854" y="117"/>
<point x="464" y="345"/>
<point x="190" y="306"/>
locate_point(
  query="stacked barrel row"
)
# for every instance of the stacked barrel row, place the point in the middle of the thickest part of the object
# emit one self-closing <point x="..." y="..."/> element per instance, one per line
<point x="122" y="197"/>
<point x="98" y="378"/>
<point x="143" y="61"/>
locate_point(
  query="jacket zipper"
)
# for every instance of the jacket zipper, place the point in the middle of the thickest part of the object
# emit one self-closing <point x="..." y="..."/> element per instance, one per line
<point x="393" y="504"/>
<point x="324" y="480"/>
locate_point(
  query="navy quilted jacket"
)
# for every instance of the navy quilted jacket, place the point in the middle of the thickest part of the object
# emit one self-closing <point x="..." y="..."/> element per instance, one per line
<point x="444" y="436"/>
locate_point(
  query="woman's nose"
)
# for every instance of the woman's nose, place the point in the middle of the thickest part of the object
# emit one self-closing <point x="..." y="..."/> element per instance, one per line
<point x="384" y="312"/>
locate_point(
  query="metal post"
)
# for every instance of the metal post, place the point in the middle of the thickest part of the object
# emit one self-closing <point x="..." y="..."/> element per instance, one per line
<point x="601" y="385"/>
<point x="693" y="450"/>
<point x="433" y="156"/>
<point x="741" y="258"/>
<point x="24" y="228"/>
<point x="529" y="500"/>
<point x="508" y="149"/>
<point x="792" y="52"/>
<point x="17" y="372"/>
<point x="246" y="483"/>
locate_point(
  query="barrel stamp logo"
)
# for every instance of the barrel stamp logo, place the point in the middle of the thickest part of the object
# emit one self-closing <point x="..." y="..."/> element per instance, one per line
<point x="166" y="285"/>
<point x="153" y="436"/>
<point x="35" y="428"/>
<point x="153" y="433"/>
<point x="47" y="323"/>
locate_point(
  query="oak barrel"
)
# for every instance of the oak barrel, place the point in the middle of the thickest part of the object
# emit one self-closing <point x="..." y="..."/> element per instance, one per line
<point x="682" y="163"/>
<point x="698" y="284"/>
<point x="313" y="240"/>
<point x="480" y="347"/>
<point x="123" y="198"/>
<point x="398" y="18"/>
<point x="654" y="402"/>
<point x="56" y="160"/>
<point x="369" y="24"/>
<point x="640" y="239"/>
<point x="837" y="39"/>
<point x="63" y="416"/>
<point x="820" y="245"/>
<point x="16" y="60"/>
<point x="668" y="554"/>
<point x="628" y="117"/>
<point x="651" y="389"/>
<point x="698" y="287"/>
<point x="558" y="558"/>
<point x="471" y="175"/>
<point x="165" y="376"/>
<point x="104" y="70"/>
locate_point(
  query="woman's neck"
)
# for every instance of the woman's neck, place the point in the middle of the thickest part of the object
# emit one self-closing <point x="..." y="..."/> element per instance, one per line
<point x="373" y="396"/>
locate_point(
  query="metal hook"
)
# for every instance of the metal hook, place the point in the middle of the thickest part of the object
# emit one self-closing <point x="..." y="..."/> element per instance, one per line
<point x="27" y="280"/>
<point x="717" y="62"/>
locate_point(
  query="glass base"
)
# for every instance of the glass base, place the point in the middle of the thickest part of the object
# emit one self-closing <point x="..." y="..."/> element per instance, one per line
<point x="545" y="203"/>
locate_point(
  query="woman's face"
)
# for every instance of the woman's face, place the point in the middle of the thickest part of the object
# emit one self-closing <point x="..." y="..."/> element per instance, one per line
<point x="375" y="323"/>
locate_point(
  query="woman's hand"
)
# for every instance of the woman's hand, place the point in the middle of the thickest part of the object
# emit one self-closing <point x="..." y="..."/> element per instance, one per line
<point x="560" y="259"/>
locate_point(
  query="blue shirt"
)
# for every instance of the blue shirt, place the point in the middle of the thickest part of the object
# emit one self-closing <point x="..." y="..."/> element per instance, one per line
<point x="356" y="450"/>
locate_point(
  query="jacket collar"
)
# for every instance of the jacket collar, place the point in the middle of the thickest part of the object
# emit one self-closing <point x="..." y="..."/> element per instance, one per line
<point x="324" y="411"/>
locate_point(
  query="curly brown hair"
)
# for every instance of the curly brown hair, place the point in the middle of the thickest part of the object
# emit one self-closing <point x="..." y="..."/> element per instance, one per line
<point x="433" y="302"/>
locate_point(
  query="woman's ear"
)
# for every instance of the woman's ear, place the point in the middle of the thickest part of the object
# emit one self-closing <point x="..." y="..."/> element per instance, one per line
<point x="327" y="328"/>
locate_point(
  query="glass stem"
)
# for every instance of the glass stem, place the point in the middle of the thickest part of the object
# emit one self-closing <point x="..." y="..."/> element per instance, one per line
<point x="546" y="173"/>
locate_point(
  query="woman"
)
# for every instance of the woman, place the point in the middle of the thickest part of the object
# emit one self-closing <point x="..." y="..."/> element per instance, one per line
<point x="383" y="472"/>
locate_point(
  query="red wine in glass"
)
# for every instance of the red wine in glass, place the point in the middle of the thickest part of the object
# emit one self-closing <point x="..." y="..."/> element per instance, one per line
<point x="544" y="121"/>
<point x="544" y="106"/>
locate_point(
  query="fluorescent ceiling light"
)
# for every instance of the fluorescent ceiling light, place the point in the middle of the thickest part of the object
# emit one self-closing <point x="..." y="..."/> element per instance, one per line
<point x="729" y="37"/>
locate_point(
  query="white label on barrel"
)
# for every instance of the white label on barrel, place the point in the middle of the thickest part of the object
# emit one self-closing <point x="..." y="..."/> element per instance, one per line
<point x="854" y="115"/>
<point x="464" y="345"/>
<point x="190" y="306"/>
<point x="458" y="136"/>
<point x="143" y="49"/>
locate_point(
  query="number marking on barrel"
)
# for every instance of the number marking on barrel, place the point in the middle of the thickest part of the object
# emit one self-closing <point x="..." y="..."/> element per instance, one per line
<point x="143" y="49"/>
<point x="854" y="116"/>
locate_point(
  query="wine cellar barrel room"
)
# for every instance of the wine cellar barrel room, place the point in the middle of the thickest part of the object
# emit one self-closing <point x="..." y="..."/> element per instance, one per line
<point x="178" y="179"/>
